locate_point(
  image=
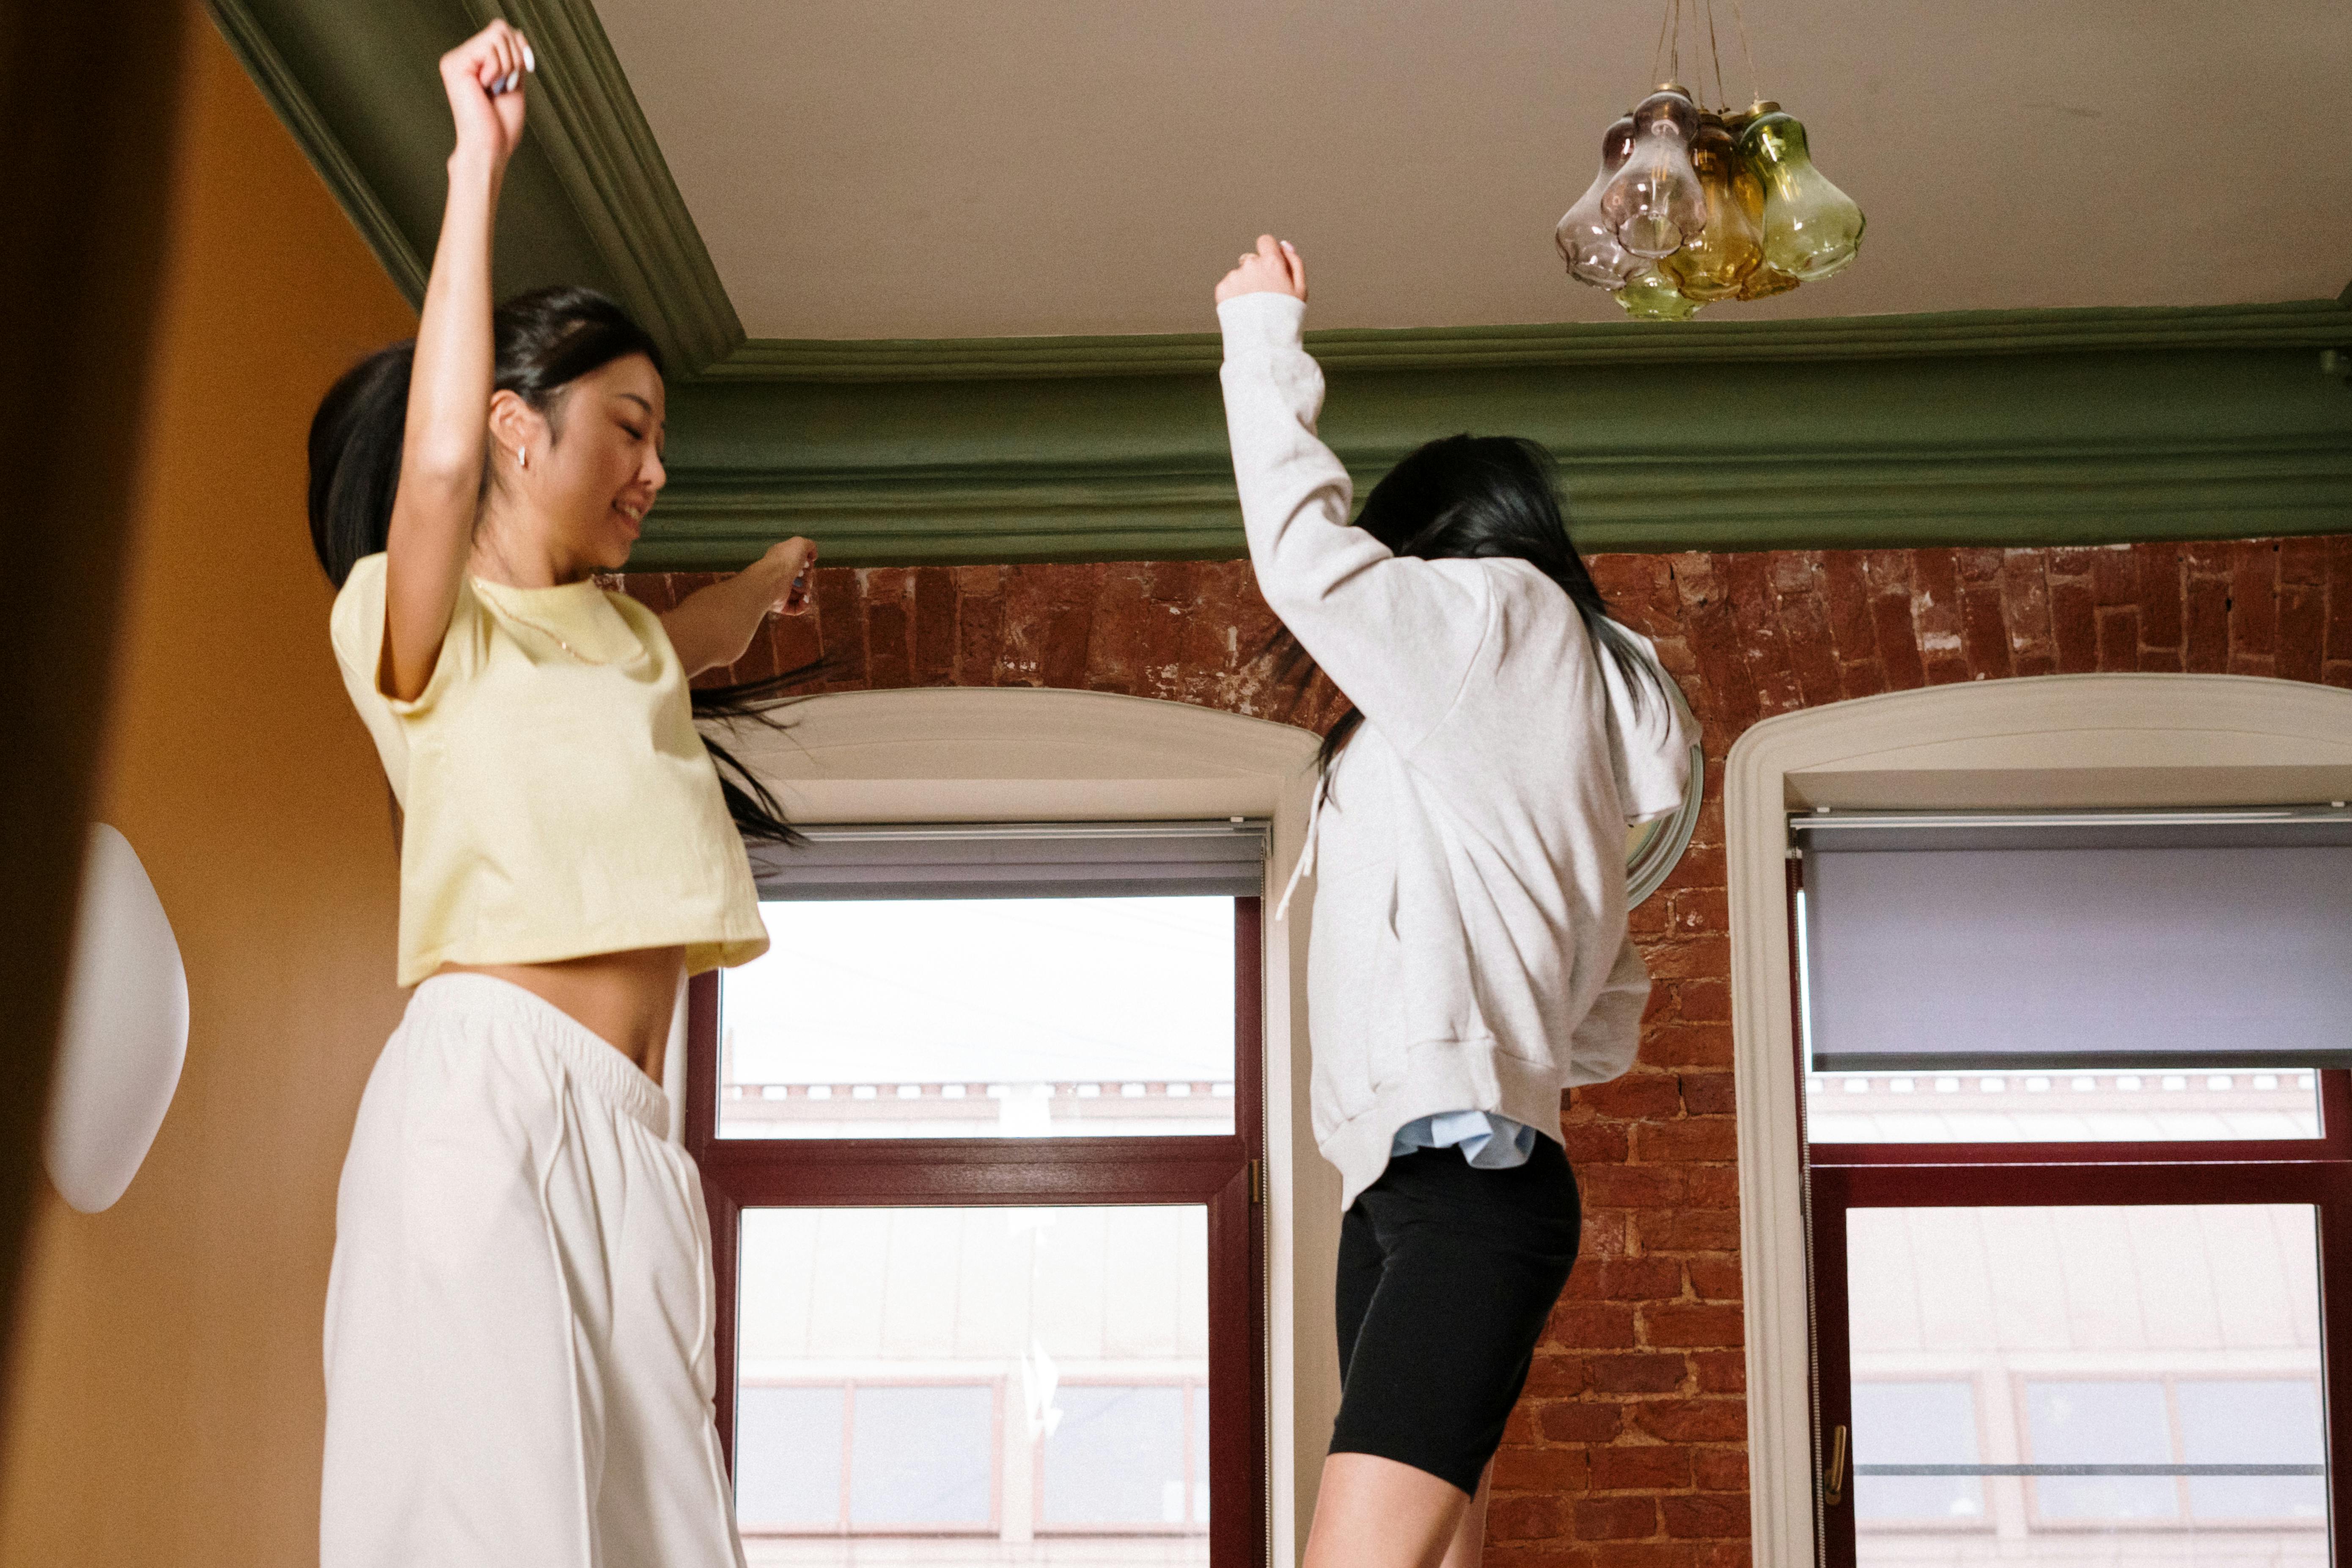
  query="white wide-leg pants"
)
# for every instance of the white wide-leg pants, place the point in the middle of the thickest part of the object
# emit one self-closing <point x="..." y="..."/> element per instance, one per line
<point x="520" y="1321"/>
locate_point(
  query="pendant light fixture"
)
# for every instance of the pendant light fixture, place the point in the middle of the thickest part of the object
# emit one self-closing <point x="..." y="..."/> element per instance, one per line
<point x="1692" y="205"/>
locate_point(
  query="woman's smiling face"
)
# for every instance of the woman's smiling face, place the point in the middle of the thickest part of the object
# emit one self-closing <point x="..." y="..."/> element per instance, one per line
<point x="604" y="463"/>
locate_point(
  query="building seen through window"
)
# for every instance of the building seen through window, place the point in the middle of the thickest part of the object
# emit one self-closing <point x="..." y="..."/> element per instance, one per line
<point x="2142" y="1383"/>
<point x="1022" y="1385"/>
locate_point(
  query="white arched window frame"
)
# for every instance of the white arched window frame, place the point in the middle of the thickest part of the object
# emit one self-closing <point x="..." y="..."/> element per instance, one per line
<point x="1000" y="754"/>
<point x="2054" y="742"/>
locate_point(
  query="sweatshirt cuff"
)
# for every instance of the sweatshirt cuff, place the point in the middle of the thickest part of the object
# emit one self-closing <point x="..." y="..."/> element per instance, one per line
<point x="1264" y="321"/>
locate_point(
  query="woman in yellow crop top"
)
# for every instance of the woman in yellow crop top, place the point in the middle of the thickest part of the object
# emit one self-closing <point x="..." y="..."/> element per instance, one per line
<point x="518" y="1335"/>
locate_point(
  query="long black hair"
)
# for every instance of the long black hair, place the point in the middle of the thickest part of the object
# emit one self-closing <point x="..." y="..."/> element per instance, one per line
<point x="543" y="342"/>
<point x="1475" y="497"/>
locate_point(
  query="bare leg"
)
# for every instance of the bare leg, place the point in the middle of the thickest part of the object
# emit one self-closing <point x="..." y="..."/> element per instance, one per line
<point x="1470" y="1535"/>
<point x="1371" y="1512"/>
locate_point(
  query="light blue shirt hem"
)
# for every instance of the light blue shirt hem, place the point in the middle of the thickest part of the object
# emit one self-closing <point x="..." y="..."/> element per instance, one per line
<point x="1488" y="1141"/>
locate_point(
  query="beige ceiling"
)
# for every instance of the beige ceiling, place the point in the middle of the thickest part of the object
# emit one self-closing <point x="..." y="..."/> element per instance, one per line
<point x="922" y="168"/>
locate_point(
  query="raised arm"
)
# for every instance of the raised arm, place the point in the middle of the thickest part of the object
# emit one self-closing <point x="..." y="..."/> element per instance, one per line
<point x="432" y="529"/>
<point x="1396" y="634"/>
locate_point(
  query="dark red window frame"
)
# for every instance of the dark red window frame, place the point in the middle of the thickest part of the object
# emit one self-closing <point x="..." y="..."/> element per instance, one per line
<point x="1222" y="1173"/>
<point x="1839" y="1177"/>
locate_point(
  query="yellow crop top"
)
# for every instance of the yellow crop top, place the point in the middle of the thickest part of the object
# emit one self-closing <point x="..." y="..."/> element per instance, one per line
<point x="557" y="800"/>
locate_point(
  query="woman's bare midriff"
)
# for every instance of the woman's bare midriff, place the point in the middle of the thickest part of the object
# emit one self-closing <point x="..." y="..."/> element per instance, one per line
<point x="623" y="998"/>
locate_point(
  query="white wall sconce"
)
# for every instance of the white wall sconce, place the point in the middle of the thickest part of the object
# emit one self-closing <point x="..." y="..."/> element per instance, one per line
<point x="124" y="1034"/>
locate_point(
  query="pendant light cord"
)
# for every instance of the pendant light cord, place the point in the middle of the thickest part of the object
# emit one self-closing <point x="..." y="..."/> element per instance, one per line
<point x="1669" y="52"/>
<point x="1722" y="99"/>
<point x="1754" y="94"/>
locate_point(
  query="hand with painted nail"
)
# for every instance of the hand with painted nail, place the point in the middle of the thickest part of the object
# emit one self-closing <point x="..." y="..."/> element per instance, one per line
<point x="1274" y="267"/>
<point x="484" y="77"/>
<point x="788" y="566"/>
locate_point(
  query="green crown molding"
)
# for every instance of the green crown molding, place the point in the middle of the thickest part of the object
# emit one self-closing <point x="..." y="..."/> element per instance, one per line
<point x="587" y="117"/>
<point x="2006" y="427"/>
<point x="711" y="522"/>
<point x="2312" y="324"/>
<point x="2076" y="447"/>
<point x="357" y="86"/>
<point x="288" y="99"/>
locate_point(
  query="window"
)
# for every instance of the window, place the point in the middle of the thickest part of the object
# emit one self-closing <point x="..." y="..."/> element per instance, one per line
<point x="2268" y="1429"/>
<point x="2113" y="1432"/>
<point x="980" y="1136"/>
<point x="997" y="1035"/>
<point x="791" y="1456"/>
<point x="1922" y="1439"/>
<point x="2079" y="1145"/>
<point x="1128" y="1456"/>
<point x="2063" y="1107"/>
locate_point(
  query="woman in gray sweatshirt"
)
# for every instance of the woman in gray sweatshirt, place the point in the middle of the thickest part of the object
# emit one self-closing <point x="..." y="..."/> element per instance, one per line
<point x="1469" y="959"/>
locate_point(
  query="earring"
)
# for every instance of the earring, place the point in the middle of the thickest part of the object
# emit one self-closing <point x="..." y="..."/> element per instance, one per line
<point x="523" y="456"/>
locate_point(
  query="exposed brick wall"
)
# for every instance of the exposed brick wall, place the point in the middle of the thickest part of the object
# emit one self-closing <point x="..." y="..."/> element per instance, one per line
<point x="1629" y="1450"/>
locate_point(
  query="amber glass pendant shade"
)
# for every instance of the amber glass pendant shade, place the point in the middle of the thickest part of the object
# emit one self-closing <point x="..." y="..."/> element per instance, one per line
<point x="1650" y="296"/>
<point x="1766" y="282"/>
<point x="1714" y="263"/>
<point x="1587" y="243"/>
<point x="1655" y="201"/>
<point x="1812" y="230"/>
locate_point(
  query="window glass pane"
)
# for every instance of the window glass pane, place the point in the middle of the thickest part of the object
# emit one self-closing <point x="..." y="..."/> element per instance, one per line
<point x="788" y="1457"/>
<point x="1201" y="1454"/>
<point x="2060" y="1107"/>
<point x="983" y="1018"/>
<point x="922" y="1455"/>
<point x="2093" y="1425"/>
<point x="1008" y="1370"/>
<point x="1915" y="1424"/>
<point x="2109" y="1349"/>
<point x="2253" y="1421"/>
<point x="1116" y="1457"/>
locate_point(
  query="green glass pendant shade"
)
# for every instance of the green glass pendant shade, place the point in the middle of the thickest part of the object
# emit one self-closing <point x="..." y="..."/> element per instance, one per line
<point x="1716" y="262"/>
<point x="1812" y="230"/>
<point x="1654" y="203"/>
<point x="1586" y="241"/>
<point x="1650" y="296"/>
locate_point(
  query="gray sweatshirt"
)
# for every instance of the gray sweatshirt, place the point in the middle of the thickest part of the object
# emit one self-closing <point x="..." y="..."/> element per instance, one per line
<point x="1469" y="948"/>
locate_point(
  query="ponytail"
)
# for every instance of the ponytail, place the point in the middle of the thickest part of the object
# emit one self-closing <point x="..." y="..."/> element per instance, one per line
<point x="758" y="816"/>
<point x="355" y="441"/>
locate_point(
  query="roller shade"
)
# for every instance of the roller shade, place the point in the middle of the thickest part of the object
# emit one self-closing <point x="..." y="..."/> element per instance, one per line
<point x="2109" y="941"/>
<point x="1017" y="861"/>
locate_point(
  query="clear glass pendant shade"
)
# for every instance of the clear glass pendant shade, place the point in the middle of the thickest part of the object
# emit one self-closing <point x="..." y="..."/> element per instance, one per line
<point x="1812" y="230"/>
<point x="1715" y="263"/>
<point x="1655" y="202"/>
<point x="1650" y="296"/>
<point x="1587" y="242"/>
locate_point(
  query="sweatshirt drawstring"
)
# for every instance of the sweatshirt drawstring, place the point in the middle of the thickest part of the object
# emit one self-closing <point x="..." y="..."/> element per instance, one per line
<point x="1306" y="851"/>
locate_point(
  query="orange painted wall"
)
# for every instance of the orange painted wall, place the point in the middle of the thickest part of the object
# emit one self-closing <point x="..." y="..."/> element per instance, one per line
<point x="168" y="1405"/>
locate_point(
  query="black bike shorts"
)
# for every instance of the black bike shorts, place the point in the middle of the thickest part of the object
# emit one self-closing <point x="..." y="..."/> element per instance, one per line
<point x="1447" y="1276"/>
